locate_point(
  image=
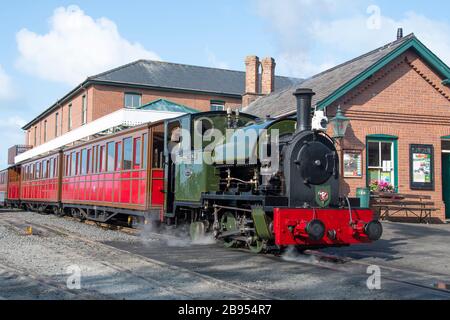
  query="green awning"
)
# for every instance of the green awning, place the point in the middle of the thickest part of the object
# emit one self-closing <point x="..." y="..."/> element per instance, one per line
<point x="166" y="105"/>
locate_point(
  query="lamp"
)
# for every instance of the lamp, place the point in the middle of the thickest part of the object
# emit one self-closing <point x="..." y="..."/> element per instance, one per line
<point x="340" y="124"/>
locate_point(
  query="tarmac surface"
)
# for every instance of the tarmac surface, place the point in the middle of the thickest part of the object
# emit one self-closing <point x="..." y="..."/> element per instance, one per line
<point x="411" y="260"/>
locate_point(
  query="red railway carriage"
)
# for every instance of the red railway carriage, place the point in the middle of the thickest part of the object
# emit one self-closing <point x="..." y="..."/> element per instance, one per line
<point x="13" y="193"/>
<point x="3" y="186"/>
<point x="40" y="182"/>
<point x="115" y="174"/>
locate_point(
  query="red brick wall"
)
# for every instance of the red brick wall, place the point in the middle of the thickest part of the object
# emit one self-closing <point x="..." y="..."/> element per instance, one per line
<point x="109" y="99"/>
<point x="406" y="99"/>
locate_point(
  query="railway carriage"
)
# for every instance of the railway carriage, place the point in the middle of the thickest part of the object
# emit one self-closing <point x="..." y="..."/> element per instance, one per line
<point x="13" y="182"/>
<point x="3" y="187"/>
<point x="116" y="176"/>
<point x="40" y="187"/>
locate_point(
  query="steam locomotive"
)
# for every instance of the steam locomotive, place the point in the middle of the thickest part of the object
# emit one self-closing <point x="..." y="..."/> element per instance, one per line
<point x="263" y="184"/>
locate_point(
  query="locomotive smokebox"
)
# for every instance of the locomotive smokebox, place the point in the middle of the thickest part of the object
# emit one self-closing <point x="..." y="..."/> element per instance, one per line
<point x="304" y="98"/>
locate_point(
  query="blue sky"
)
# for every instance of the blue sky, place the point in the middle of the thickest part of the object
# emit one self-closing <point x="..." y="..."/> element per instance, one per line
<point x="47" y="47"/>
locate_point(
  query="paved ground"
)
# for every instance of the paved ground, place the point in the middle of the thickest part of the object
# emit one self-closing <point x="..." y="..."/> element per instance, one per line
<point x="114" y="265"/>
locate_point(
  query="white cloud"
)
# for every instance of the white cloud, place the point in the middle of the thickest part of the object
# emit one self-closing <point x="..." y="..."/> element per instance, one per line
<point x="6" y="88"/>
<point x="213" y="61"/>
<point x="313" y="35"/>
<point x="76" y="46"/>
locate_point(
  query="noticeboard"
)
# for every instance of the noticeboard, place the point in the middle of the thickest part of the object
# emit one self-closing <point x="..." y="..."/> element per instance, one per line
<point x="421" y="166"/>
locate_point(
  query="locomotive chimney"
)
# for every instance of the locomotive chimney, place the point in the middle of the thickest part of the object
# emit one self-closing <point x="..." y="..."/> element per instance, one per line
<point x="304" y="97"/>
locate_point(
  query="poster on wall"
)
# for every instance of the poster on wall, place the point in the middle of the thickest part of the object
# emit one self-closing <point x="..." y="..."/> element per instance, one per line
<point x="352" y="164"/>
<point x="422" y="167"/>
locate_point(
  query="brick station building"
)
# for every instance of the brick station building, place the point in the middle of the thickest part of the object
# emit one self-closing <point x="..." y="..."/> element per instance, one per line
<point x="397" y="98"/>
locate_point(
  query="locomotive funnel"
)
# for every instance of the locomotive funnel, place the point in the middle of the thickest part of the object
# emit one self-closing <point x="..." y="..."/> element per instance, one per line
<point x="304" y="97"/>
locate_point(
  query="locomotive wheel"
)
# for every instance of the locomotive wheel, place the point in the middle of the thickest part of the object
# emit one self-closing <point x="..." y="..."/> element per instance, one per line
<point x="257" y="246"/>
<point x="228" y="223"/>
<point x="197" y="230"/>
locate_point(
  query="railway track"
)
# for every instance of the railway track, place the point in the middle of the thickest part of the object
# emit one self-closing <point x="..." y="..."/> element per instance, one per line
<point x="110" y="257"/>
<point x="110" y="254"/>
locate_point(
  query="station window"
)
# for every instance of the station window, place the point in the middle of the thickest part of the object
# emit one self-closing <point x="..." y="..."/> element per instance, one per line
<point x="133" y="100"/>
<point x="69" y="117"/>
<point x="127" y="153"/>
<point x="217" y="105"/>
<point x="84" y="110"/>
<point x="145" y="150"/>
<point x="118" y="165"/>
<point x="111" y="157"/>
<point x="382" y="159"/>
<point x="84" y="162"/>
<point x="137" y="153"/>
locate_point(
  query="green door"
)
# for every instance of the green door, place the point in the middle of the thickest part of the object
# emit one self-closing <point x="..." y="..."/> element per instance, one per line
<point x="446" y="183"/>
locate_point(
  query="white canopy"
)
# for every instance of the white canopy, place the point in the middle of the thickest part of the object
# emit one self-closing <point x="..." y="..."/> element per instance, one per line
<point x="123" y="117"/>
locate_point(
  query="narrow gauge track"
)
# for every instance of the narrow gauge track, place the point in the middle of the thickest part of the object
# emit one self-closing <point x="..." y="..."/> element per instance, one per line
<point x="326" y="261"/>
<point x="108" y="255"/>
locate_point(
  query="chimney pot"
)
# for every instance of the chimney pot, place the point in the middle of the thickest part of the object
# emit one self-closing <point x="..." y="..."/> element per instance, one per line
<point x="399" y="33"/>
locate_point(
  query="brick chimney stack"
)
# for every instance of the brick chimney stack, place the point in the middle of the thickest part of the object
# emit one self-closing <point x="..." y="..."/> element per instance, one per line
<point x="251" y="80"/>
<point x="268" y="75"/>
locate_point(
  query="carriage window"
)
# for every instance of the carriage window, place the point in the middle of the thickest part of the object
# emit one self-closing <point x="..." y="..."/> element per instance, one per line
<point x="111" y="156"/>
<point x="101" y="159"/>
<point x="118" y="165"/>
<point x="73" y="164"/>
<point x="137" y="153"/>
<point x="44" y="169"/>
<point x="38" y="170"/>
<point x="67" y="165"/>
<point x="84" y="161"/>
<point x="127" y="153"/>
<point x="52" y="168"/>
<point x="32" y="172"/>
<point x="145" y="141"/>
<point x="158" y="149"/>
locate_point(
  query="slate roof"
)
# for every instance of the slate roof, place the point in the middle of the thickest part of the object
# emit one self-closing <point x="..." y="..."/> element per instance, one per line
<point x="166" y="105"/>
<point x="323" y="84"/>
<point x="183" y="77"/>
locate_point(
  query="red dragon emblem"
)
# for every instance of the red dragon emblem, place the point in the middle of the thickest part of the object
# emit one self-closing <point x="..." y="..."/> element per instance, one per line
<point x="323" y="196"/>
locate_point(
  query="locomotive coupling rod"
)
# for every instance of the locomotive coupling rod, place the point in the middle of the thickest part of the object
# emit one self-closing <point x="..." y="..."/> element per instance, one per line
<point x="231" y="208"/>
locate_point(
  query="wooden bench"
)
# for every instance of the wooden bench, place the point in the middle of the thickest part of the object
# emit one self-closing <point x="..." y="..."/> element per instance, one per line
<point x="390" y="204"/>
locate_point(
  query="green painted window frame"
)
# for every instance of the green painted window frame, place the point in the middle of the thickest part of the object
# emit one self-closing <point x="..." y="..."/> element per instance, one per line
<point x="213" y="104"/>
<point x="383" y="138"/>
